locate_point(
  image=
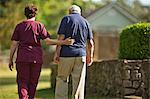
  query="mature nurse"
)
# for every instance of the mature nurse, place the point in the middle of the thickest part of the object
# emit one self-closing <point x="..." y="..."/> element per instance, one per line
<point x="26" y="38"/>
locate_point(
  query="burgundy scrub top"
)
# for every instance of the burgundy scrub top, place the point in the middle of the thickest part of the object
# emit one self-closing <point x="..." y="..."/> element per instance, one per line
<point x="29" y="33"/>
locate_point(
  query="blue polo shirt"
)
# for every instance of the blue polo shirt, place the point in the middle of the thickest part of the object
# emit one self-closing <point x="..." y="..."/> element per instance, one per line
<point x="76" y="27"/>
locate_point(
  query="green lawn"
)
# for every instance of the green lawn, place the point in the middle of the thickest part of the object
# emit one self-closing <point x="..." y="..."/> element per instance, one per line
<point x="8" y="87"/>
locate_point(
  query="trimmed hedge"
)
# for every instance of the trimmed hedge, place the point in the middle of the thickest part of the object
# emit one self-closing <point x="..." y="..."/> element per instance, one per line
<point x="135" y="42"/>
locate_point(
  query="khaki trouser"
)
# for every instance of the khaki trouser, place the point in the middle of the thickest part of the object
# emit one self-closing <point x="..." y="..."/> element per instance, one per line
<point x="76" y="67"/>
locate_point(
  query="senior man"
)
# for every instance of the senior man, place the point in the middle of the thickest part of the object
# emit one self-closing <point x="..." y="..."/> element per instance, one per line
<point x="72" y="59"/>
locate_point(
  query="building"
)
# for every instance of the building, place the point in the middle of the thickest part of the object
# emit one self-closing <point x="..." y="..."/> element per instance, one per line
<point x="107" y="23"/>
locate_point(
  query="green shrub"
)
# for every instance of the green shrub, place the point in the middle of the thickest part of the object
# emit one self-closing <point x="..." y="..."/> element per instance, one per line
<point x="135" y="42"/>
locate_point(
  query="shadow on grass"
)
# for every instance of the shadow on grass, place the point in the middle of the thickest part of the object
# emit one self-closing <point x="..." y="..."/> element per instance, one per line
<point x="12" y="80"/>
<point x="47" y="93"/>
<point x="7" y="81"/>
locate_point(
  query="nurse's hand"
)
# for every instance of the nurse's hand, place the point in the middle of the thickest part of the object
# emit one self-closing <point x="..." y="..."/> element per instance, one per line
<point x="68" y="41"/>
<point x="11" y="66"/>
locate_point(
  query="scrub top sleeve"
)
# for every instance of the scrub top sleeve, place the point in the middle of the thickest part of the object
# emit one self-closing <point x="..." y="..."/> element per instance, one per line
<point x="15" y="35"/>
<point x="44" y="34"/>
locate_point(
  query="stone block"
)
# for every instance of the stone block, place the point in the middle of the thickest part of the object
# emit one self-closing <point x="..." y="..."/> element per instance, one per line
<point x="126" y="74"/>
<point x="118" y="81"/>
<point x="136" y="67"/>
<point x="129" y="91"/>
<point x="127" y="67"/>
<point x="135" y="75"/>
<point x="136" y="84"/>
<point x="127" y="83"/>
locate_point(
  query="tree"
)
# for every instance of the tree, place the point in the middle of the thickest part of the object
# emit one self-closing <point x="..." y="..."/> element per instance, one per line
<point x="9" y="18"/>
<point x="50" y="13"/>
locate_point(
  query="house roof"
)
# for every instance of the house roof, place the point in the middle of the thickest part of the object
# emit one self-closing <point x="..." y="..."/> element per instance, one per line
<point x="122" y="13"/>
<point x="116" y="6"/>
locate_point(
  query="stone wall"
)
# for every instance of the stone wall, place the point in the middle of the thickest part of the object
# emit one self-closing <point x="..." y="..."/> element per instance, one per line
<point x="104" y="79"/>
<point x="116" y="78"/>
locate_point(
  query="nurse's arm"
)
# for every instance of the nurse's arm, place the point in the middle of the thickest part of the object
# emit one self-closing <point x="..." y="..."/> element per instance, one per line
<point x="67" y="41"/>
<point x="14" y="46"/>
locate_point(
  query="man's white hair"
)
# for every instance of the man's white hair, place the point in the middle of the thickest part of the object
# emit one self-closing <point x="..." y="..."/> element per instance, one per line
<point x="75" y="9"/>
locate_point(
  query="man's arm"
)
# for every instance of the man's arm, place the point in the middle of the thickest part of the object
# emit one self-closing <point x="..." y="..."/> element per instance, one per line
<point x="58" y="47"/>
<point x="90" y="52"/>
<point x="13" y="48"/>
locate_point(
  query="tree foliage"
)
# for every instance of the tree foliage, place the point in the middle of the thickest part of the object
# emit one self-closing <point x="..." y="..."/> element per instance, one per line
<point x="50" y="13"/>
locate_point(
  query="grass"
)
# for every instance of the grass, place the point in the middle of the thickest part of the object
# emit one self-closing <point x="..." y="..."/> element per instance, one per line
<point x="8" y="86"/>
